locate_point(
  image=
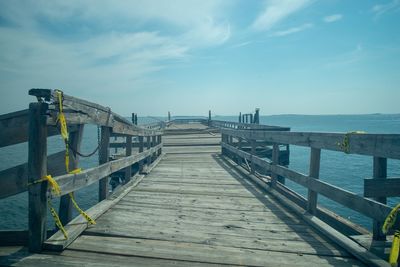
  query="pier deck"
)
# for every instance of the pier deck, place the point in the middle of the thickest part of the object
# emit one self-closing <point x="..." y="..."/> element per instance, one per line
<point x="193" y="209"/>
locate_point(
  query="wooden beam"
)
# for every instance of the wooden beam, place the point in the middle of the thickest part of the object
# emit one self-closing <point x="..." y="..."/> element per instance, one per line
<point x="368" y="207"/>
<point x="312" y="198"/>
<point x="379" y="145"/>
<point x="72" y="182"/>
<point x="57" y="242"/>
<point x="15" y="180"/>
<point x="104" y="154"/>
<point x="14" y="128"/>
<point x="37" y="169"/>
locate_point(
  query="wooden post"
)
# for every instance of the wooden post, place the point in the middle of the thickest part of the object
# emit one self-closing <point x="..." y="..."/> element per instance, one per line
<point x="37" y="169"/>
<point x="133" y="118"/>
<point x="379" y="172"/>
<point x="209" y="117"/>
<point x="253" y="154"/>
<point x="65" y="210"/>
<point x="251" y="118"/>
<point x="239" y="159"/>
<point x="257" y="116"/>
<point x="223" y="141"/>
<point x="128" y="152"/>
<point x="240" y="117"/>
<point x="148" y="139"/>
<point x="315" y="159"/>
<point x="103" y="158"/>
<point x="141" y="149"/>
<point x="169" y="116"/>
<point x="159" y="142"/>
<point x="153" y="144"/>
<point x="275" y="160"/>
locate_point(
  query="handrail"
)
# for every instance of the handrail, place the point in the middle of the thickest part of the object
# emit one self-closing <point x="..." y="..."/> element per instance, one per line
<point x="39" y="122"/>
<point x="247" y="126"/>
<point x="380" y="146"/>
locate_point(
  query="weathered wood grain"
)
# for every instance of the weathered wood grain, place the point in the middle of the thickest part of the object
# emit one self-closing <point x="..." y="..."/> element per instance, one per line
<point x="368" y="207"/>
<point x="37" y="169"/>
<point x="379" y="145"/>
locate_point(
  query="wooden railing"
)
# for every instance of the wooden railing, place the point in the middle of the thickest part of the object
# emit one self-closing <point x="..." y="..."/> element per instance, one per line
<point x="36" y="125"/>
<point x="372" y="204"/>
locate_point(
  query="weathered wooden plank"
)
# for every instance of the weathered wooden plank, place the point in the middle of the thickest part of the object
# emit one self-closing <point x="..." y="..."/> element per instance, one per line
<point x="382" y="188"/>
<point x="72" y="182"/>
<point x="379" y="145"/>
<point x="358" y="203"/>
<point x="236" y="125"/>
<point x="74" y="258"/>
<point x="79" y="111"/>
<point x="203" y="252"/>
<point x="37" y="169"/>
<point x="57" y="241"/>
<point x="358" y="251"/>
<point x="14" y="128"/>
<point x="15" y="180"/>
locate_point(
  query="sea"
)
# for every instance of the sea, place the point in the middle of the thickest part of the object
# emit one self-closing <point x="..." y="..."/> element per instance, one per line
<point x="337" y="168"/>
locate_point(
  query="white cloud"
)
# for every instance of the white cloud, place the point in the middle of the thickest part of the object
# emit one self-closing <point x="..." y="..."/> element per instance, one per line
<point x="110" y="45"/>
<point x="379" y="10"/>
<point x="293" y="30"/>
<point x="277" y="10"/>
<point x="333" y="18"/>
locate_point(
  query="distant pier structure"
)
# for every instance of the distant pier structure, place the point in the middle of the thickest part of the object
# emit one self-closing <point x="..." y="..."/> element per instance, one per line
<point x="188" y="191"/>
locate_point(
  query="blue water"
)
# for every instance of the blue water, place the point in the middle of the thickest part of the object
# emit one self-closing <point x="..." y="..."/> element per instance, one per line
<point x="346" y="171"/>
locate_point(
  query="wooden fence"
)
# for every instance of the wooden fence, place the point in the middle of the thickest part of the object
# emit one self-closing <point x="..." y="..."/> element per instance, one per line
<point x="379" y="146"/>
<point x="40" y="122"/>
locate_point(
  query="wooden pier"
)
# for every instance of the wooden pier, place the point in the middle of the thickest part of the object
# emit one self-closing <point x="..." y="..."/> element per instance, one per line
<point x="192" y="192"/>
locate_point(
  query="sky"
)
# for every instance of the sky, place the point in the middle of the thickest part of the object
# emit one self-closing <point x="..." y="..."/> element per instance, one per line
<point x="191" y="56"/>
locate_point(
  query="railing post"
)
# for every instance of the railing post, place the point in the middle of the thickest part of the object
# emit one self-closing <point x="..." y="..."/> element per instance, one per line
<point x="315" y="159"/>
<point x="379" y="172"/>
<point x="222" y="141"/>
<point x="128" y="152"/>
<point x="65" y="210"/>
<point x="148" y="139"/>
<point x="253" y="154"/>
<point x="37" y="169"/>
<point x="141" y="149"/>
<point x="239" y="159"/>
<point x="153" y="144"/>
<point x="103" y="158"/>
<point x="159" y="142"/>
<point x="275" y="161"/>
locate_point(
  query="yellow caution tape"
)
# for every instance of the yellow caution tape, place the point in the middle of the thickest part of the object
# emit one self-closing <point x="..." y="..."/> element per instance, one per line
<point x="54" y="185"/>
<point x="57" y="220"/>
<point x="394" y="251"/>
<point x="390" y="219"/>
<point x="345" y="144"/>
<point x="84" y="214"/>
